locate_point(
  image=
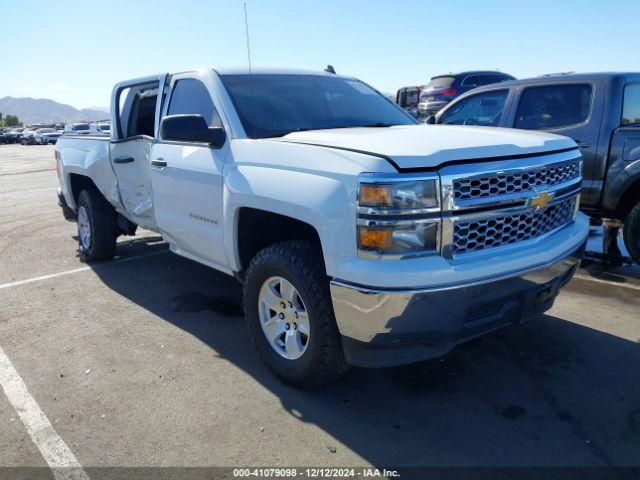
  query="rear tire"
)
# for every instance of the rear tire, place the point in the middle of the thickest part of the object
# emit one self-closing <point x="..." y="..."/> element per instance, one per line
<point x="631" y="233"/>
<point x="320" y="357"/>
<point x="96" y="226"/>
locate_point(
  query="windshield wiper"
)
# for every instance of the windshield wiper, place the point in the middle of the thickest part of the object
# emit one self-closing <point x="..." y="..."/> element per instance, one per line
<point x="380" y="125"/>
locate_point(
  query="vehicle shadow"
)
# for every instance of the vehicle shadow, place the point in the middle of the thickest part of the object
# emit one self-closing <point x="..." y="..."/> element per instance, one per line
<point x="547" y="393"/>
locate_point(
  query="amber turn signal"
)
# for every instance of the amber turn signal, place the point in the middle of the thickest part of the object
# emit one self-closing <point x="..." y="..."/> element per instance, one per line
<point x="375" y="239"/>
<point x="374" y="196"/>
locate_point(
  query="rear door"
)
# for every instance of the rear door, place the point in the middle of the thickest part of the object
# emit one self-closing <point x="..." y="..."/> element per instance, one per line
<point x="187" y="177"/>
<point x="136" y="108"/>
<point x="570" y="109"/>
<point x="625" y="145"/>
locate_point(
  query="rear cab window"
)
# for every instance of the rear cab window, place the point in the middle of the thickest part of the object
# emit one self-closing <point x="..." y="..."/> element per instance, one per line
<point x="554" y="106"/>
<point x="411" y="99"/>
<point x="631" y="105"/>
<point x="408" y="97"/>
<point x="483" y="109"/>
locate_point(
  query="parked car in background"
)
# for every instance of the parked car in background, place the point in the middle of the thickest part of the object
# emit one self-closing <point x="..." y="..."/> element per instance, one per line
<point x="443" y="88"/>
<point x="407" y="98"/>
<point x="77" y="128"/>
<point x="10" y="135"/>
<point x="324" y="199"/>
<point x="100" y="128"/>
<point x="27" y="136"/>
<point x="600" y="111"/>
<point x="46" y="136"/>
<point x="15" y="134"/>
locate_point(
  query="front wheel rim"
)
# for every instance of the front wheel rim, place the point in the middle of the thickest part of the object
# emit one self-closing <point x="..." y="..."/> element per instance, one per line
<point x="284" y="318"/>
<point x="84" y="228"/>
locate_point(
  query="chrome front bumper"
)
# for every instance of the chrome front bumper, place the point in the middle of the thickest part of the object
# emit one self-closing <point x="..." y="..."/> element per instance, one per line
<point x="391" y="327"/>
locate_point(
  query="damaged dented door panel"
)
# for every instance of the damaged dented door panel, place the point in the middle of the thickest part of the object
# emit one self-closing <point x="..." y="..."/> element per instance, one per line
<point x="136" y="108"/>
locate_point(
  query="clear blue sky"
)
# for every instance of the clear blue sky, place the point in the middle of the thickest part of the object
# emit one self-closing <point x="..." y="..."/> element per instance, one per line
<point x="74" y="51"/>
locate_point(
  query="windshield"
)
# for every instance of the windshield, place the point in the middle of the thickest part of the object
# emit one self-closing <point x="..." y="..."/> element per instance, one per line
<point x="275" y="105"/>
<point x="104" y="128"/>
<point x="46" y="130"/>
<point x="82" y="126"/>
<point x="440" y="82"/>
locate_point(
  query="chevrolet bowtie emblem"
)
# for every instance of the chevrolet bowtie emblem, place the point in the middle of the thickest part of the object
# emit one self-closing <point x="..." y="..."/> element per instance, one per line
<point x="541" y="201"/>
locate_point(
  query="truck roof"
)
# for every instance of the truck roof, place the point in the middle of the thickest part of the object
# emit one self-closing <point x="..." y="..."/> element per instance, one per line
<point x="572" y="77"/>
<point x="239" y="71"/>
<point x="271" y="71"/>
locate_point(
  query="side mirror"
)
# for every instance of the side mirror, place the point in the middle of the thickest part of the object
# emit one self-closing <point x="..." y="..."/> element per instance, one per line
<point x="431" y="120"/>
<point x="191" y="128"/>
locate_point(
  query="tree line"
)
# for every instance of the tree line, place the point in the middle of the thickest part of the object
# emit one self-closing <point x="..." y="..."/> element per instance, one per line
<point x="10" y="121"/>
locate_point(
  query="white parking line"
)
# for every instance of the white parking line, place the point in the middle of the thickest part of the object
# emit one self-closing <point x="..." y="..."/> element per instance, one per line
<point x="607" y="282"/>
<point x="76" y="270"/>
<point x="42" y="277"/>
<point x="56" y="453"/>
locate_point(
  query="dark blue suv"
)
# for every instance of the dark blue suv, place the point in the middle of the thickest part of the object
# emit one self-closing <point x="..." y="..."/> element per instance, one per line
<point x="444" y="88"/>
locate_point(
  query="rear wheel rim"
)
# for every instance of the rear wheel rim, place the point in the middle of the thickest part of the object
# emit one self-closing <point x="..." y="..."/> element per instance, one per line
<point x="284" y="318"/>
<point x="84" y="228"/>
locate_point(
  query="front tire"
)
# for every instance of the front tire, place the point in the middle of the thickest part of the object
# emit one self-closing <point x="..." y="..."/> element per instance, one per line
<point x="96" y="226"/>
<point x="631" y="233"/>
<point x="290" y="315"/>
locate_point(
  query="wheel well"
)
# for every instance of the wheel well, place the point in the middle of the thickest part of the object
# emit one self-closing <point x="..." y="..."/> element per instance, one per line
<point x="258" y="229"/>
<point x="629" y="198"/>
<point x="79" y="183"/>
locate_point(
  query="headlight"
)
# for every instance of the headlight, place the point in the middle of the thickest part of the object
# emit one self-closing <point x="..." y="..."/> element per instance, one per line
<point x="384" y="205"/>
<point x="403" y="197"/>
<point x="399" y="237"/>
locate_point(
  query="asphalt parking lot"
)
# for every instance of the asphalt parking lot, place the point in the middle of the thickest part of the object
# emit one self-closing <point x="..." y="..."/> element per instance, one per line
<point x="145" y="361"/>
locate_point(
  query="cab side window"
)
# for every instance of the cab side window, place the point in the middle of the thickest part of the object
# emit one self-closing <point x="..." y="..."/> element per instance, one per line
<point x="191" y="97"/>
<point x="553" y="107"/>
<point x="137" y="110"/>
<point x="483" y="109"/>
<point x="631" y="106"/>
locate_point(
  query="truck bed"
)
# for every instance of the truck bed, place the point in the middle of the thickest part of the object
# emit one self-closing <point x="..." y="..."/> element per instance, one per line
<point x="87" y="155"/>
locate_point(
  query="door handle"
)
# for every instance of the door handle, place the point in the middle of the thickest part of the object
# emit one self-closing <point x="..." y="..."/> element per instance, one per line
<point x="582" y="144"/>
<point x="159" y="162"/>
<point x="124" y="160"/>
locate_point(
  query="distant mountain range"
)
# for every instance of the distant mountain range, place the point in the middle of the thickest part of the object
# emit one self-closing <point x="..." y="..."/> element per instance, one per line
<point x="43" y="110"/>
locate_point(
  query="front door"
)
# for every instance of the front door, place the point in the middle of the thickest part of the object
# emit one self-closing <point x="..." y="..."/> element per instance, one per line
<point x="187" y="178"/>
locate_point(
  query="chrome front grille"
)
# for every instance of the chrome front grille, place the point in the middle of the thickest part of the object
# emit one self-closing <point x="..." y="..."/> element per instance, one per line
<point x="497" y="203"/>
<point x="498" y="230"/>
<point x="515" y="182"/>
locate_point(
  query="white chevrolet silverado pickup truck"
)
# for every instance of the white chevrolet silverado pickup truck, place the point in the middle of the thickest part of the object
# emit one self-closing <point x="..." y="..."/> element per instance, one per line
<point x="361" y="237"/>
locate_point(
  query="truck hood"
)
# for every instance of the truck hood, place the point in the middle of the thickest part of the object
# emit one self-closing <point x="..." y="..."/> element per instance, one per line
<point x="427" y="146"/>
